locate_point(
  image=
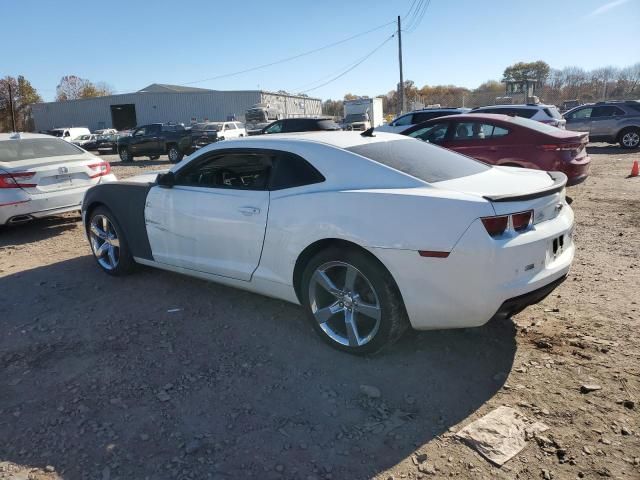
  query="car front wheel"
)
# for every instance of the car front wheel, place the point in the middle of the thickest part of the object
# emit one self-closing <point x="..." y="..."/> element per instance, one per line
<point x="174" y="154"/>
<point x="125" y="155"/>
<point x="108" y="243"/>
<point x="352" y="301"/>
<point x="630" y="138"/>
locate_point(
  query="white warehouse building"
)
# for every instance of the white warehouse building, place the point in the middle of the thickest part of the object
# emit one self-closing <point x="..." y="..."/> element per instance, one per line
<point x="160" y="103"/>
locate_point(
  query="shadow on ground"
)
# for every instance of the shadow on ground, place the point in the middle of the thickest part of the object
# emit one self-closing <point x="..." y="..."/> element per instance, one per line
<point x="162" y="376"/>
<point x="604" y="149"/>
<point x="38" y="229"/>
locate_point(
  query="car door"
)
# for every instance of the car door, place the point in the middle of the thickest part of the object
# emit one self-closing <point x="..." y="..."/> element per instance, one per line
<point x="603" y="121"/>
<point x="139" y="141"/>
<point x="579" y="120"/>
<point x="213" y="219"/>
<point x="478" y="139"/>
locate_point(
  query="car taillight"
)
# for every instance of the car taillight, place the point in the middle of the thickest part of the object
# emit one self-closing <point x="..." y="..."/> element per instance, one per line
<point x="496" y="226"/>
<point x="100" y="169"/>
<point x="16" y="180"/>
<point x="521" y="221"/>
<point x="557" y="147"/>
<point x="518" y="222"/>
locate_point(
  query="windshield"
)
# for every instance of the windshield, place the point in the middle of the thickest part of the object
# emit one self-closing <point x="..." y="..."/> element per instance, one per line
<point x="84" y="137"/>
<point x="216" y="127"/>
<point x="421" y="160"/>
<point x="256" y="115"/>
<point x="356" y="117"/>
<point x="16" y="150"/>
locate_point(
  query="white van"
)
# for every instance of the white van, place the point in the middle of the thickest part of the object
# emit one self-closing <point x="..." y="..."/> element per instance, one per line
<point x="69" y="134"/>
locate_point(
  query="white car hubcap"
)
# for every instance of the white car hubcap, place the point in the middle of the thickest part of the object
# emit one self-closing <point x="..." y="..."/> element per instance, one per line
<point x="104" y="242"/>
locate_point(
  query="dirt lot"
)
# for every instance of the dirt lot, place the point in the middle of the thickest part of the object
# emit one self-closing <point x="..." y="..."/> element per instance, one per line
<point x="162" y="376"/>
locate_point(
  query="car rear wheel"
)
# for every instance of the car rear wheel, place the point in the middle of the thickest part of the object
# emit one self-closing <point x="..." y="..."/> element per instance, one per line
<point x="125" y="155"/>
<point x="352" y="301"/>
<point x="630" y="138"/>
<point x="174" y="154"/>
<point x="108" y="243"/>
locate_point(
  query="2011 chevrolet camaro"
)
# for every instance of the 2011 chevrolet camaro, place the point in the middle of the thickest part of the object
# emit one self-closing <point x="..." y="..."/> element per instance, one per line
<point x="370" y="233"/>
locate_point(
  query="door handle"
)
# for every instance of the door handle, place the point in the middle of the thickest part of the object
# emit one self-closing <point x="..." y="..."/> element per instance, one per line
<point x="247" y="211"/>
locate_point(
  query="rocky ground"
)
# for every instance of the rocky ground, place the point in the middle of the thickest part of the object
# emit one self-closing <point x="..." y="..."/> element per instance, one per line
<point x="162" y="376"/>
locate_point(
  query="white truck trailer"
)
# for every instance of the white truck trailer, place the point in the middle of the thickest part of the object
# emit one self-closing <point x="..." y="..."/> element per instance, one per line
<point x="363" y="113"/>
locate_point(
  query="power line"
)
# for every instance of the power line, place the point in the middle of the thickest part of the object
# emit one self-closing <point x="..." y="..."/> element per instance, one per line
<point x="419" y="17"/>
<point x="352" y="66"/>
<point x="288" y="59"/>
<point x="409" y="20"/>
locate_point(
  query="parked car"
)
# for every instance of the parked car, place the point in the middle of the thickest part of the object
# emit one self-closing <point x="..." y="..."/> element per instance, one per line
<point x="370" y="234"/>
<point x="289" y="125"/>
<point x="548" y="114"/>
<point x="107" y="144"/>
<point x="42" y="176"/>
<point x="510" y="141"/>
<point x="105" y="131"/>
<point x="88" y="142"/>
<point x="69" y="134"/>
<point x="202" y="134"/>
<point x="403" y="122"/>
<point x="155" y="140"/>
<point x="611" y="122"/>
<point x="568" y="105"/>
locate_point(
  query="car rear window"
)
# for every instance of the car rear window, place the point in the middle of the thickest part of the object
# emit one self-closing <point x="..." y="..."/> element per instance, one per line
<point x="421" y="160"/>
<point x="538" y="126"/>
<point x="25" y="149"/>
<point x="328" y="125"/>
<point x="552" y="112"/>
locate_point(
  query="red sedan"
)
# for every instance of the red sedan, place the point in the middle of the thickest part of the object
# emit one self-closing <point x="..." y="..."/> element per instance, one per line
<point x="510" y="141"/>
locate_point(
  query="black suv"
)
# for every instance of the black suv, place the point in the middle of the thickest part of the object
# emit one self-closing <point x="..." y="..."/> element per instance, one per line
<point x="611" y="122"/>
<point x="289" y="125"/>
<point x="155" y="140"/>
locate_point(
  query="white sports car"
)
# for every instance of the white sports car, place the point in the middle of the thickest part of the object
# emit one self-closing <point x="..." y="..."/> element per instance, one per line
<point x="370" y="233"/>
<point x="41" y="175"/>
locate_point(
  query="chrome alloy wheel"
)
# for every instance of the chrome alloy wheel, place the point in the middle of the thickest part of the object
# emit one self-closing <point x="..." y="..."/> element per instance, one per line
<point x="104" y="242"/>
<point x="344" y="303"/>
<point x="631" y="139"/>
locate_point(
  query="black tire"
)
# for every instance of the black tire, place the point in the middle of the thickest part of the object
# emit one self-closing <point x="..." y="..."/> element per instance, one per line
<point x="393" y="317"/>
<point x="629" y="138"/>
<point x="125" y="155"/>
<point x="175" y="155"/>
<point x="154" y="157"/>
<point x="125" y="263"/>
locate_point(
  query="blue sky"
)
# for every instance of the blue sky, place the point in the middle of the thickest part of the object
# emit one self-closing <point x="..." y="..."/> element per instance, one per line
<point x="132" y="44"/>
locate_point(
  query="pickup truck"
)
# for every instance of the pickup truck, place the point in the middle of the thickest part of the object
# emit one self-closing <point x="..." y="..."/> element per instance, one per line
<point x="202" y="134"/>
<point x="155" y="140"/>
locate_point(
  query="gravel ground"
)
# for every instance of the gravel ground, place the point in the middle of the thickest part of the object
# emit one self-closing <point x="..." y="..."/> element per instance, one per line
<point x="162" y="376"/>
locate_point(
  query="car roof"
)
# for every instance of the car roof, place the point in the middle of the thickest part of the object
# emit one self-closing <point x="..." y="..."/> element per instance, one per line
<point x="471" y="116"/>
<point x="23" y="136"/>
<point x="335" y="138"/>
<point x="517" y="105"/>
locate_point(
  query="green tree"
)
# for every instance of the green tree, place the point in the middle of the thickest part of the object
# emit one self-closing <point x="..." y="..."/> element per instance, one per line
<point x="520" y="71"/>
<point x="24" y="95"/>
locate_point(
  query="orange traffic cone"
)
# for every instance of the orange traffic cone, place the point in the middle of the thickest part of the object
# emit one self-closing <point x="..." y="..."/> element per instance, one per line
<point x="635" y="171"/>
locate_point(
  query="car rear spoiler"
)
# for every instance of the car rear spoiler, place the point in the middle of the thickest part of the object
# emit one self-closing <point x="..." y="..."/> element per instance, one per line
<point x="559" y="182"/>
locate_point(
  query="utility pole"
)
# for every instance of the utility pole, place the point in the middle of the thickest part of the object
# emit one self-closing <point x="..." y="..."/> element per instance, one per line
<point x="13" y="116"/>
<point x="401" y="89"/>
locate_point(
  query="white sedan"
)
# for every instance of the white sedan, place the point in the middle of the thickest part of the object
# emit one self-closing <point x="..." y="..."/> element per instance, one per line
<point x="370" y="233"/>
<point x="41" y="175"/>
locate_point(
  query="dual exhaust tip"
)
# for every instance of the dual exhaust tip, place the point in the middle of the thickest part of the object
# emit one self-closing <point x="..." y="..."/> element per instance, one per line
<point x="19" y="219"/>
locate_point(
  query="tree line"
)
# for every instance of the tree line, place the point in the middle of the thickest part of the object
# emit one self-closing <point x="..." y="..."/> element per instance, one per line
<point x="23" y="94"/>
<point x="552" y="86"/>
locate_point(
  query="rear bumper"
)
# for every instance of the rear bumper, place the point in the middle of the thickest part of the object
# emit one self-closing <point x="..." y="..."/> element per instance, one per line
<point x="577" y="171"/>
<point x="22" y="206"/>
<point x="482" y="276"/>
<point x="515" y="305"/>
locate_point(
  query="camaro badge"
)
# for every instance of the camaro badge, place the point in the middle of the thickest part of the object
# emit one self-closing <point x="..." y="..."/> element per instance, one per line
<point x="62" y="170"/>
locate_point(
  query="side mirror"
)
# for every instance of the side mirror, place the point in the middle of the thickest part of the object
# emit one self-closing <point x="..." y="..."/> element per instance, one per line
<point x="166" y="180"/>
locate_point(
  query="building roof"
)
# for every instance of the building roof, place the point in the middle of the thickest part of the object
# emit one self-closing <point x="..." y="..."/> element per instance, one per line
<point x="164" y="87"/>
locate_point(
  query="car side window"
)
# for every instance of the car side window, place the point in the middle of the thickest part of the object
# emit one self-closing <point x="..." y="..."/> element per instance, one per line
<point x="231" y="126"/>
<point x="606" y="111"/>
<point x="406" y="120"/>
<point x="478" y="131"/>
<point x="581" y="114"/>
<point x="433" y="133"/>
<point x="291" y="170"/>
<point x="140" y="132"/>
<point x="241" y="170"/>
<point x="275" y="128"/>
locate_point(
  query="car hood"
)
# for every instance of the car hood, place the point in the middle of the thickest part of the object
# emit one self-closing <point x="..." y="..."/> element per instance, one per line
<point x="147" y="177"/>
